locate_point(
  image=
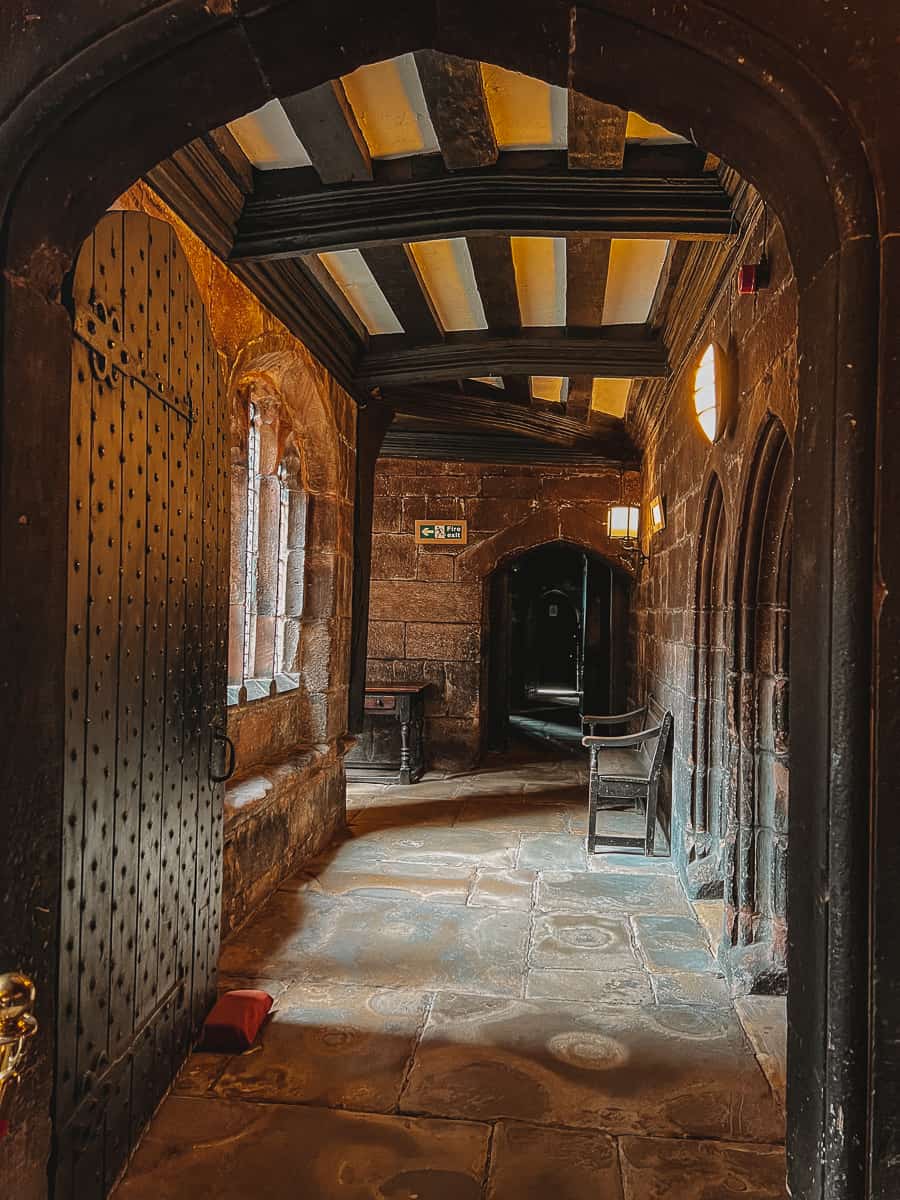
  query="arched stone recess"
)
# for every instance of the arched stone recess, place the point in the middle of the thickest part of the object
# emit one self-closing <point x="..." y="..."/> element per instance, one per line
<point x="703" y="822"/>
<point x="300" y="439"/>
<point x="756" y="838"/>
<point x="288" y="794"/>
<point x="565" y="526"/>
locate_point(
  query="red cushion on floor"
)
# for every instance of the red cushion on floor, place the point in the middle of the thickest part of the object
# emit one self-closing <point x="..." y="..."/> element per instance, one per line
<point x="234" y="1022"/>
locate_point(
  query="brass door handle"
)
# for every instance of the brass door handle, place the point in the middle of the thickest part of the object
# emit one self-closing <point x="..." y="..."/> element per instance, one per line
<point x="17" y="1025"/>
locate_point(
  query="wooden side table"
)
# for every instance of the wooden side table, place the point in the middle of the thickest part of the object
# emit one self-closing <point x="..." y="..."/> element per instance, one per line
<point x="391" y="747"/>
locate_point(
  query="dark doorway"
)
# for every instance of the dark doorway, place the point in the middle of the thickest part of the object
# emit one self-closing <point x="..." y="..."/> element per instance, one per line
<point x="557" y="639"/>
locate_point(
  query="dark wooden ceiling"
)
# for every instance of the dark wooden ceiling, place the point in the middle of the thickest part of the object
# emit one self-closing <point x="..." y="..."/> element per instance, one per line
<point x="270" y="227"/>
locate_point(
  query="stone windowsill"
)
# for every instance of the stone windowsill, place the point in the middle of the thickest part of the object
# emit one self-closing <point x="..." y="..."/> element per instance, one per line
<point x="249" y="795"/>
<point x="261" y="689"/>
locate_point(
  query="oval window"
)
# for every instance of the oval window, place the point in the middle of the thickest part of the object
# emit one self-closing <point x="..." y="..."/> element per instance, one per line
<point x="706" y="393"/>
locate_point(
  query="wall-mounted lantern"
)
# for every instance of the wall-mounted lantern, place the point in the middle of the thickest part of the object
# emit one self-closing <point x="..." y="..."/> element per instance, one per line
<point x="623" y="526"/>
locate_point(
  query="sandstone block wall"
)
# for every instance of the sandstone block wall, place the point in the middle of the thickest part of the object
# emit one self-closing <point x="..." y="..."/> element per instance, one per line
<point x="427" y="619"/>
<point x="673" y="610"/>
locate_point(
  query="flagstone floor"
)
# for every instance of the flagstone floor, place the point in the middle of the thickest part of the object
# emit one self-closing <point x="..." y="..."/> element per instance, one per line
<point x="466" y="1008"/>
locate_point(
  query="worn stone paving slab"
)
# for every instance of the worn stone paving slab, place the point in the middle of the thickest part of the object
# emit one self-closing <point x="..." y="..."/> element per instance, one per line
<point x="503" y="889"/>
<point x="764" y="1019"/>
<point x="421" y="844"/>
<point x="552" y="852"/>
<point x="332" y="1045"/>
<point x="476" y="787"/>
<point x="200" y="1073"/>
<point x="631" y="894"/>
<point x="621" y="986"/>
<point x="582" y="941"/>
<point x="685" y="987"/>
<point x="572" y="795"/>
<point x="405" y="817"/>
<point x="197" y="1149"/>
<point x="671" y="1071"/>
<point x="441" y="884"/>
<point x="302" y="935"/>
<point x="631" y="864"/>
<point x="711" y="915"/>
<point x="511" y="817"/>
<point x="673" y="944"/>
<point x="230" y="983"/>
<point x="532" y="1163"/>
<point x="660" y="1169"/>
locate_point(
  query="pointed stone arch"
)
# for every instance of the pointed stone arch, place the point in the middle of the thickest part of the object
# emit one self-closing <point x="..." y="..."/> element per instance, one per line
<point x="704" y="826"/>
<point x="759" y="650"/>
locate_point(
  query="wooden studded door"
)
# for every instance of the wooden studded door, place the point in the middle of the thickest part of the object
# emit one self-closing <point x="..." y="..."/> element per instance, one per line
<point x="146" y="662"/>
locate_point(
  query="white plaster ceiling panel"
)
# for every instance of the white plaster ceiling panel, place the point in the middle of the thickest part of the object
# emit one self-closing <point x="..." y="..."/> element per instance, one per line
<point x="640" y="129"/>
<point x="540" y="267"/>
<point x="351" y="273"/>
<point x="268" y="139"/>
<point x="446" y="271"/>
<point x="390" y="109"/>
<point x="610" y="396"/>
<point x="526" y="113"/>
<point x="634" y="268"/>
<point x="549" y="387"/>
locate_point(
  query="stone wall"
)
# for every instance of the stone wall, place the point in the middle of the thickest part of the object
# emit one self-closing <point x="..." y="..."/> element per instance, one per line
<point x="287" y="797"/>
<point x="427" y="602"/>
<point x="708" y="492"/>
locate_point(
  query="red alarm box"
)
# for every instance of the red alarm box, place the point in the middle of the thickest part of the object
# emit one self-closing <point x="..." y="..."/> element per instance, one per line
<point x="752" y="278"/>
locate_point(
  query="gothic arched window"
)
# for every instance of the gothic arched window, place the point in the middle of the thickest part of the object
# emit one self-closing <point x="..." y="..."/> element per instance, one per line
<point x="268" y="542"/>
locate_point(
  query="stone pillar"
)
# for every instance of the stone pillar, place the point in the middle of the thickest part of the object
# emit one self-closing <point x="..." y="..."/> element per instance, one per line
<point x="237" y="614"/>
<point x="294" y="582"/>
<point x="267" y="576"/>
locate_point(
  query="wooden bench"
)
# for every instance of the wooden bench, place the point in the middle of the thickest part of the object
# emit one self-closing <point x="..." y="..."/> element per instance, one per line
<point x="626" y="767"/>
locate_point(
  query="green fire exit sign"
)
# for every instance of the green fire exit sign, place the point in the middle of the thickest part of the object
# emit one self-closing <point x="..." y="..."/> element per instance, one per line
<point x="445" y="532"/>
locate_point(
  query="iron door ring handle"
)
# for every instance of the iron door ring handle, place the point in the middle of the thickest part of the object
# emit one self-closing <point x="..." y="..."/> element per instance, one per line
<point x="219" y="735"/>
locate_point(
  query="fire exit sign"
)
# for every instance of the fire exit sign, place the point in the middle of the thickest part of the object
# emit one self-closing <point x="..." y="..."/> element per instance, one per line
<point x="442" y="532"/>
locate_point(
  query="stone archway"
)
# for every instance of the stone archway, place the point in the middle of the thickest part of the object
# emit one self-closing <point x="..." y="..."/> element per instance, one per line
<point x="151" y="83"/>
<point x="572" y="525"/>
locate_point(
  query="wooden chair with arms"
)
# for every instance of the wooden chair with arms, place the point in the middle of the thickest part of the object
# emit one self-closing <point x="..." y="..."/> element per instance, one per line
<point x="626" y="767"/>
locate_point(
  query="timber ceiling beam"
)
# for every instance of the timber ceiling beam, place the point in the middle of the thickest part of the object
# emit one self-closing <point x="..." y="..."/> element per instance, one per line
<point x="587" y="266"/>
<point x="615" y="352"/>
<point x="495" y="276"/>
<point x="596" y="134"/>
<point x="326" y="125"/>
<point x="399" y="280"/>
<point x="474" y="411"/>
<point x="454" y="93"/>
<point x="280" y="220"/>
<point x="578" y="400"/>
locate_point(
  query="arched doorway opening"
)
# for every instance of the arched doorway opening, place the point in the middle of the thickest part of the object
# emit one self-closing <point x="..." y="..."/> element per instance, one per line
<point x="557" y="644"/>
<point x="154" y="74"/>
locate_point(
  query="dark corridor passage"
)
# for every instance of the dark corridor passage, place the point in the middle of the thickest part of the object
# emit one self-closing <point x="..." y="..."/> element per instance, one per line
<point x="558" y="641"/>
